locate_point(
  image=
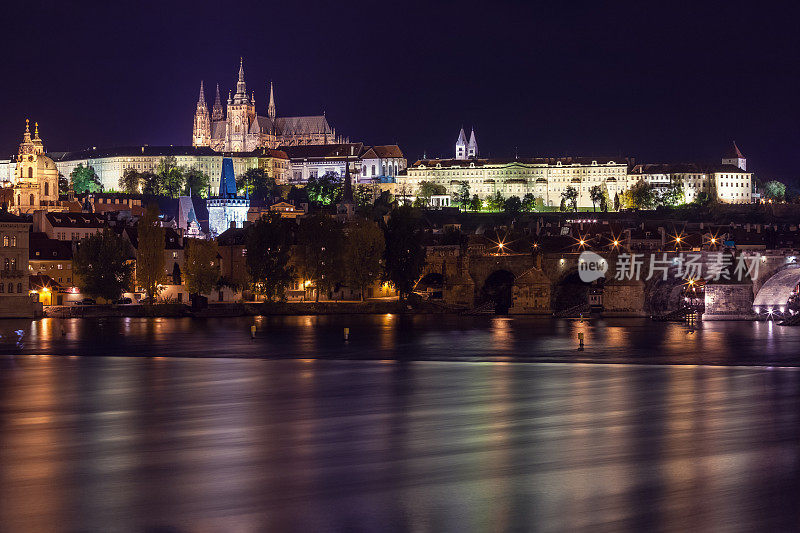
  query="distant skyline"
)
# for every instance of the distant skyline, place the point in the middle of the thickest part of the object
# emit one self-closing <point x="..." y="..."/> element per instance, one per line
<point x="665" y="83"/>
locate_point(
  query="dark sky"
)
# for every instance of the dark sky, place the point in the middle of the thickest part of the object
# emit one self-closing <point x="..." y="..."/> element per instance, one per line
<point x="660" y="81"/>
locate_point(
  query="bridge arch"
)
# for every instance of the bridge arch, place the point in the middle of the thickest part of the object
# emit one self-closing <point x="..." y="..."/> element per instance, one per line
<point x="775" y="293"/>
<point x="499" y="289"/>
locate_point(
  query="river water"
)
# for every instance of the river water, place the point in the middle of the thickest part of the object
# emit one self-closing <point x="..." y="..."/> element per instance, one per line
<point x="415" y="424"/>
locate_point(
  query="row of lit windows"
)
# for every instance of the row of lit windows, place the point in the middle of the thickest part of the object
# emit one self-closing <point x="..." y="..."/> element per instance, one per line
<point x="9" y="240"/>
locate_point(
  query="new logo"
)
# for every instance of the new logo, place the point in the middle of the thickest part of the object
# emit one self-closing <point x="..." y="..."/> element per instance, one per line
<point x="591" y="267"/>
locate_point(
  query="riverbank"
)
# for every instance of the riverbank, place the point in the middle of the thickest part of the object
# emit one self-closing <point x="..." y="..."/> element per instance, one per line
<point x="374" y="307"/>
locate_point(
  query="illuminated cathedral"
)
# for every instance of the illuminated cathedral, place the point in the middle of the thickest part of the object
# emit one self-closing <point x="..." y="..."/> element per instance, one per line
<point x="238" y="128"/>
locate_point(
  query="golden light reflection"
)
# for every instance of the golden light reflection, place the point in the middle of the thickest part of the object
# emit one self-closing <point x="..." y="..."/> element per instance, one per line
<point x="502" y="334"/>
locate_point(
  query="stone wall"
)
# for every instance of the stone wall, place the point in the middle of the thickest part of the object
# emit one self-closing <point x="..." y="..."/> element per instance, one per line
<point x="624" y="299"/>
<point x="732" y="301"/>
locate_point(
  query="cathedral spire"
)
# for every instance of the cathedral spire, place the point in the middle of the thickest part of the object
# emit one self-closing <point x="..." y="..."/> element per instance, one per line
<point x="201" y="134"/>
<point x="216" y="110"/>
<point x="461" y="145"/>
<point x="241" y="89"/>
<point x="201" y="101"/>
<point x="26" y="138"/>
<point x="472" y="146"/>
<point x="271" y="107"/>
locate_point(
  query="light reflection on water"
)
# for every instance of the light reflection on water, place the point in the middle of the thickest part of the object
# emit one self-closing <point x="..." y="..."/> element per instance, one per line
<point x="401" y="337"/>
<point x="313" y="444"/>
<point x="391" y="429"/>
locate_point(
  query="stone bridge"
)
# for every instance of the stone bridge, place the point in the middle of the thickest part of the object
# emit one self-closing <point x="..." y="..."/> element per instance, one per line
<point x="542" y="283"/>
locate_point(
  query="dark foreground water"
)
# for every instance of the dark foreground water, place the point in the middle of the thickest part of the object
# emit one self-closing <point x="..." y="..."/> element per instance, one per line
<point x="417" y="424"/>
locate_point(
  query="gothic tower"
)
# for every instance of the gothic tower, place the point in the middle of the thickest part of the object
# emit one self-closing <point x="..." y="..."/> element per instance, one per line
<point x="216" y="111"/>
<point x="271" y="107"/>
<point x="461" y="145"/>
<point x="201" y="135"/>
<point x="472" y="146"/>
<point x="241" y="114"/>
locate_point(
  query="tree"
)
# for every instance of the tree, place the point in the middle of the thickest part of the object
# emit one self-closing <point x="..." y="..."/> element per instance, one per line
<point x="63" y="184"/>
<point x="150" y="252"/>
<point x="496" y="202"/>
<point x="200" y="265"/>
<point x="362" y="195"/>
<point x="563" y="205"/>
<point x="268" y="256"/>
<point x="476" y="204"/>
<point x="570" y="197"/>
<point x="151" y="184"/>
<point x="673" y="195"/>
<point x="513" y="205"/>
<point x="616" y="201"/>
<point x="363" y="253"/>
<point x="324" y="189"/>
<point x="101" y="265"/>
<point x="318" y="254"/>
<point x="528" y="202"/>
<point x="84" y="179"/>
<point x="404" y="256"/>
<point x="596" y="196"/>
<point x="170" y="177"/>
<point x="639" y="196"/>
<point x="460" y="196"/>
<point x="775" y="190"/>
<point x="382" y="205"/>
<point x="297" y="196"/>
<point x="130" y="181"/>
<point x="702" y="199"/>
<point x="257" y="182"/>
<point x="427" y="189"/>
<point x="197" y="182"/>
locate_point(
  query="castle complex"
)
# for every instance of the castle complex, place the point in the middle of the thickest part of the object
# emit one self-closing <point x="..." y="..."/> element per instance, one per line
<point x="548" y="177"/>
<point x="241" y="129"/>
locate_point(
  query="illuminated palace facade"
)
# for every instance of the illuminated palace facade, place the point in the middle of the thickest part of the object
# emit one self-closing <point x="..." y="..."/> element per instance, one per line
<point x="239" y="128"/>
<point x="548" y="177"/>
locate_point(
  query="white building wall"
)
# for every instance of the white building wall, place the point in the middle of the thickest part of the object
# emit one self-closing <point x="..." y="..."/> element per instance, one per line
<point x="546" y="181"/>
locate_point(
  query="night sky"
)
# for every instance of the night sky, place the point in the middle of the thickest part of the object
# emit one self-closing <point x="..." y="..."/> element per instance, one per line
<point x="662" y="82"/>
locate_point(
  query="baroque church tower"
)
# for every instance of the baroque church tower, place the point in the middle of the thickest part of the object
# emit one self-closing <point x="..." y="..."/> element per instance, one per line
<point x="36" y="176"/>
<point x="201" y="135"/>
